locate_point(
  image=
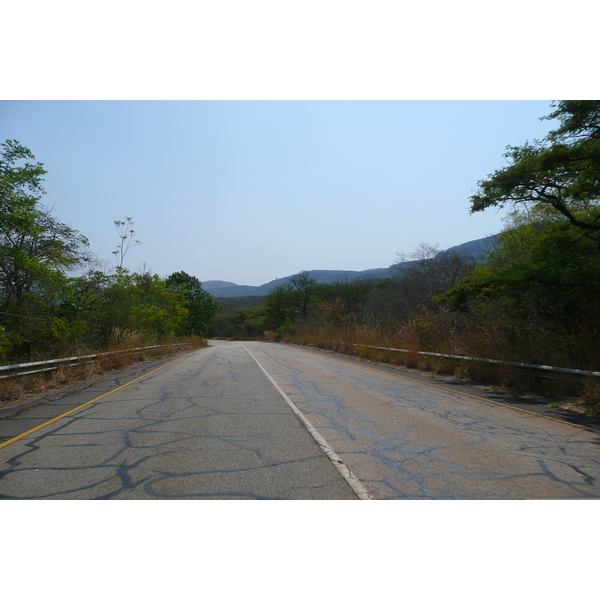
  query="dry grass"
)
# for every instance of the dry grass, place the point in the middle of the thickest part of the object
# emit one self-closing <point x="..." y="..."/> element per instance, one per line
<point x="438" y="335"/>
<point x="10" y="389"/>
<point x="126" y="339"/>
<point x="18" y="390"/>
<point x="591" y="397"/>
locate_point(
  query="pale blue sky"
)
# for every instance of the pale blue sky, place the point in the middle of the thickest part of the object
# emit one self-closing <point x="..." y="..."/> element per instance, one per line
<point x="247" y="191"/>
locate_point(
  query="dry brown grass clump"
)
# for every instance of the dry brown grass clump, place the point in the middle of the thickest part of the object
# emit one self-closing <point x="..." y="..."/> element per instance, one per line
<point x="10" y="389"/>
<point x="591" y="397"/>
<point x="126" y="339"/>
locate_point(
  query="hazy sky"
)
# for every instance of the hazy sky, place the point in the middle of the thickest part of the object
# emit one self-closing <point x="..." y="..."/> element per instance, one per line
<point x="247" y="191"/>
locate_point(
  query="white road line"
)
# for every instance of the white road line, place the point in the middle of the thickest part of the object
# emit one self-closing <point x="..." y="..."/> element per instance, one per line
<point x="338" y="463"/>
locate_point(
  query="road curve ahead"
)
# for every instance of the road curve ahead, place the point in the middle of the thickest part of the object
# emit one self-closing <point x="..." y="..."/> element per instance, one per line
<point x="252" y="420"/>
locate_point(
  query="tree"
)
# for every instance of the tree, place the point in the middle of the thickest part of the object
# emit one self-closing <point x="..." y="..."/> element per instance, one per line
<point x="545" y="275"/>
<point x="343" y="302"/>
<point x="541" y="271"/>
<point x="246" y="323"/>
<point x="202" y="307"/>
<point x="560" y="173"/>
<point x="302" y="287"/>
<point x="291" y="302"/>
<point x="97" y="303"/>
<point x="420" y="278"/>
<point x="20" y="185"/>
<point x="158" y="310"/>
<point x="36" y="251"/>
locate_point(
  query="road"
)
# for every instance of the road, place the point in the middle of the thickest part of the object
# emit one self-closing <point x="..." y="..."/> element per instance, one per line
<point x="252" y="420"/>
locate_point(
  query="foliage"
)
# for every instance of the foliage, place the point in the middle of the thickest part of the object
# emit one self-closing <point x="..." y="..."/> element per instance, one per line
<point x="546" y="271"/>
<point x="538" y="295"/>
<point x="201" y="306"/>
<point x="561" y="172"/>
<point x="97" y="303"/>
<point x="302" y="299"/>
<point x="543" y="281"/>
<point x="20" y="185"/>
<point x="344" y="302"/>
<point x="157" y="310"/>
<point x="247" y="323"/>
<point x="423" y="275"/>
<point x="289" y="303"/>
<point x="36" y="251"/>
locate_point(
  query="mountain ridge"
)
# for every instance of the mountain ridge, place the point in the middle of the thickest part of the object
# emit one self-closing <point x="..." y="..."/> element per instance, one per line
<point x="474" y="249"/>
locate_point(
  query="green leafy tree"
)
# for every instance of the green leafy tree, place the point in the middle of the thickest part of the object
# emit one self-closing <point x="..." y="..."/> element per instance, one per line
<point x="97" y="303"/>
<point x="560" y="173"/>
<point x="246" y="323"/>
<point x="157" y="310"/>
<point x="201" y="305"/>
<point x="36" y="251"/>
<point x="547" y="271"/>
<point x="547" y="266"/>
<point x="279" y="307"/>
<point x="540" y="289"/>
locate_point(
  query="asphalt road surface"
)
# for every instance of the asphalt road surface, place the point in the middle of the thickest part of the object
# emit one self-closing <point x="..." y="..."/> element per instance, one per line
<point x="253" y="420"/>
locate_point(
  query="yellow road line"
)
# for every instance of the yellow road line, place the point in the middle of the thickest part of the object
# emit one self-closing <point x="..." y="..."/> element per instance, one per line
<point x="70" y="412"/>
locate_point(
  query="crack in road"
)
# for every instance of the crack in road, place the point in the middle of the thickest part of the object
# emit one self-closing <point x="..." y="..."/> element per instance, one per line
<point x="157" y="437"/>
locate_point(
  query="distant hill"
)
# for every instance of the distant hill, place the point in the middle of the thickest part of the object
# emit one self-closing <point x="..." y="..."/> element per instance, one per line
<point x="476" y="250"/>
<point x="215" y="285"/>
<point x="224" y="289"/>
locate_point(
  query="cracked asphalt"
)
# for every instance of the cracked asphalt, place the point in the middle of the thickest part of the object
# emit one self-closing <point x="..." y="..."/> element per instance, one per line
<point x="210" y="425"/>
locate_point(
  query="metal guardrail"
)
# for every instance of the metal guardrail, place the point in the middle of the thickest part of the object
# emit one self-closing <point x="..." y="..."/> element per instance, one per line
<point x="544" y="371"/>
<point x="51" y="365"/>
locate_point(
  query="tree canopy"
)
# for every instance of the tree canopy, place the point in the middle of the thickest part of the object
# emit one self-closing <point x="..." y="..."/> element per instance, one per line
<point x="545" y="275"/>
<point x="36" y="251"/>
<point x="201" y="306"/>
<point x="560" y="173"/>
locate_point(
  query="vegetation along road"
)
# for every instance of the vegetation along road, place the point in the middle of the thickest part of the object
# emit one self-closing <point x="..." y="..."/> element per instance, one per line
<point x="272" y="421"/>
